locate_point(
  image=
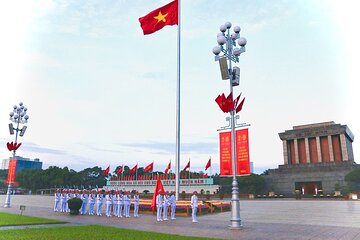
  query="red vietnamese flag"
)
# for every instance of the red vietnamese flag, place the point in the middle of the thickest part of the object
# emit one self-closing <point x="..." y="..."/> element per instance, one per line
<point x="159" y="18"/>
<point x="229" y="105"/>
<point x="158" y="187"/>
<point x="168" y="168"/>
<point x="208" y="164"/>
<point x="221" y="100"/>
<point x="106" y="171"/>
<point x="133" y="170"/>
<point x="238" y="109"/>
<point x="120" y="170"/>
<point x="149" y="167"/>
<point x="187" y="166"/>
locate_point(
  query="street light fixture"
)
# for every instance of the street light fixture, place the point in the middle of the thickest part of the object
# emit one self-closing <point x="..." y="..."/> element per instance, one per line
<point x="17" y="116"/>
<point x="231" y="53"/>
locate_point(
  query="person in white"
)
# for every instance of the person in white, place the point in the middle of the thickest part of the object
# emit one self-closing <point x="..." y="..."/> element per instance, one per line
<point x="63" y="200"/>
<point x="115" y="201"/>
<point x="109" y="201"/>
<point x="84" y="197"/>
<point x="136" y="204"/>
<point x="92" y="198"/>
<point x="159" y="205"/>
<point x="57" y="200"/>
<point x="166" y="204"/>
<point x="120" y="203"/>
<point x="194" y="206"/>
<point x="173" y="205"/>
<point x="70" y="195"/>
<point x="99" y="203"/>
<point x="127" y="199"/>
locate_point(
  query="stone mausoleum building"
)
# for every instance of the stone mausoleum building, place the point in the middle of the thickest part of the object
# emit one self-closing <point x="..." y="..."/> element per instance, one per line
<point x="316" y="158"/>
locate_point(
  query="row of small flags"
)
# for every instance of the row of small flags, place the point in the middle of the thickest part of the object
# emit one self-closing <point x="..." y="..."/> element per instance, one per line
<point x="149" y="168"/>
<point x="161" y="176"/>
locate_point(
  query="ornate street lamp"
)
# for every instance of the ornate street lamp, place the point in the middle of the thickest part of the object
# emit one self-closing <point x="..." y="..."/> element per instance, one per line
<point x="17" y="116"/>
<point x="226" y="53"/>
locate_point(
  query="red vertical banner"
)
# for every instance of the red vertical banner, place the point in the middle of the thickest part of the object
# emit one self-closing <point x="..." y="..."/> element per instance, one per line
<point x="225" y="154"/>
<point x="242" y="152"/>
<point x="11" y="171"/>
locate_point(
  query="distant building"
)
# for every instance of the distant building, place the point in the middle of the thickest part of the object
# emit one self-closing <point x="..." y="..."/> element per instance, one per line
<point x="316" y="158"/>
<point x="22" y="163"/>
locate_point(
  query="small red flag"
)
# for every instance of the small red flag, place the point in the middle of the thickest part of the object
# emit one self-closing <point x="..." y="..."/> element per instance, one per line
<point x="133" y="170"/>
<point x="221" y="100"/>
<point x="238" y="109"/>
<point x="149" y="167"/>
<point x="106" y="171"/>
<point x="208" y="164"/>
<point x="159" y="18"/>
<point x="168" y="168"/>
<point x="236" y="100"/>
<point x="158" y="187"/>
<point x="120" y="170"/>
<point x="229" y="105"/>
<point x="187" y="166"/>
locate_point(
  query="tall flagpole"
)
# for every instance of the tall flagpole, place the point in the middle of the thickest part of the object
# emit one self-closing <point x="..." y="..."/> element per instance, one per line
<point x="177" y="154"/>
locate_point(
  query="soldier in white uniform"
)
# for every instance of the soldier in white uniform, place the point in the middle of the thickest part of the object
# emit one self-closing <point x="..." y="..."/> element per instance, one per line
<point x="159" y="204"/>
<point x="127" y="199"/>
<point x="136" y="204"/>
<point x="166" y="204"/>
<point x="63" y="200"/>
<point x="115" y="200"/>
<point x="120" y="203"/>
<point x="77" y="193"/>
<point x="92" y="198"/>
<point x="84" y="198"/>
<point x="194" y="206"/>
<point x="57" y="196"/>
<point x="109" y="202"/>
<point x="70" y="195"/>
<point x="173" y="205"/>
<point x="99" y="202"/>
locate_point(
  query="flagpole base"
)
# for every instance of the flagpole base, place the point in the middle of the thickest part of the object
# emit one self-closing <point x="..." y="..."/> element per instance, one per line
<point x="235" y="222"/>
<point x="8" y="194"/>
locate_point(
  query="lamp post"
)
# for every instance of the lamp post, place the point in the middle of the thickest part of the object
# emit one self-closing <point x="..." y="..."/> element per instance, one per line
<point x="231" y="53"/>
<point x="17" y="116"/>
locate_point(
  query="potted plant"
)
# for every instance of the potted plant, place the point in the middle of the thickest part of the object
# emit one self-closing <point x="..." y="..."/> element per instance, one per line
<point x="74" y="205"/>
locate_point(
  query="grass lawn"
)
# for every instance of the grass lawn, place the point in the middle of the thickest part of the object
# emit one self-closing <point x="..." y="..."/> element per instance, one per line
<point x="86" y="232"/>
<point x="7" y="219"/>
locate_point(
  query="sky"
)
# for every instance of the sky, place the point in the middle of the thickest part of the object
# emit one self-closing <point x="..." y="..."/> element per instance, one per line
<point x="100" y="93"/>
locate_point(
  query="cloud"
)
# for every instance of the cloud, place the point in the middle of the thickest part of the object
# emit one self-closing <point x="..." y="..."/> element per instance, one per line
<point x="169" y="148"/>
<point x="31" y="147"/>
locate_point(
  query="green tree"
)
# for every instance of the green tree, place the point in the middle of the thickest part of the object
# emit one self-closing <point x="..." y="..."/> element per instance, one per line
<point x="353" y="180"/>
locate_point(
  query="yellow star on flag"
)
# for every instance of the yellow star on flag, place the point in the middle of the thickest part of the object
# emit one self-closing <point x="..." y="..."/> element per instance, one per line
<point x="161" y="17"/>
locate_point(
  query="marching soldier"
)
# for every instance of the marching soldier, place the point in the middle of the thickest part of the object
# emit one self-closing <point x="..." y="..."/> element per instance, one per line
<point x="70" y="195"/>
<point x="92" y="198"/>
<point x="115" y="201"/>
<point x="57" y="200"/>
<point x="127" y="203"/>
<point x="159" y="204"/>
<point x="136" y="204"/>
<point x="173" y="205"/>
<point x="194" y="206"/>
<point x="84" y="198"/>
<point x="99" y="202"/>
<point x="166" y="204"/>
<point x="109" y="202"/>
<point x="63" y="200"/>
<point x="120" y="204"/>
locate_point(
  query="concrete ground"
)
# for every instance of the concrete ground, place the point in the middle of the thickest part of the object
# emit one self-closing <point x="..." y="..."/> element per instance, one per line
<point x="261" y="219"/>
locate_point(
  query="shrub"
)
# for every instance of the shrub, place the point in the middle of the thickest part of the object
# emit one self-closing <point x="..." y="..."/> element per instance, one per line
<point x="74" y="205"/>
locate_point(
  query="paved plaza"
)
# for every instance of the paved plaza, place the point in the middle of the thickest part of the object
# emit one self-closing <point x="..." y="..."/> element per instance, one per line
<point x="261" y="219"/>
